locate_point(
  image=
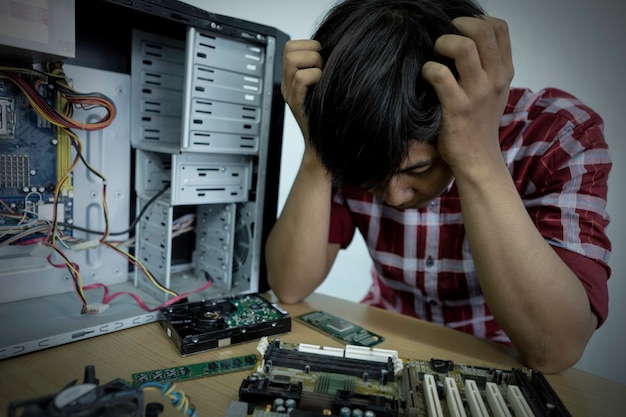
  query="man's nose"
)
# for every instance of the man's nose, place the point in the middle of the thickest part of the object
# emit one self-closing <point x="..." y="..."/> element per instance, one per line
<point x="396" y="194"/>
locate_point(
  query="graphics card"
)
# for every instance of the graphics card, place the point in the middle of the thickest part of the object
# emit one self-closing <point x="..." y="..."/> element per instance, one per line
<point x="204" y="325"/>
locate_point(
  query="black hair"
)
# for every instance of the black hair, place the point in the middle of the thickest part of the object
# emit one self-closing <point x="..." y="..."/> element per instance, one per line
<point x="371" y="101"/>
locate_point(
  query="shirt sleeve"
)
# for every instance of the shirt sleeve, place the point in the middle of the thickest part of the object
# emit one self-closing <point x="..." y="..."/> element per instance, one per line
<point x="341" y="224"/>
<point x="593" y="275"/>
<point x="566" y="192"/>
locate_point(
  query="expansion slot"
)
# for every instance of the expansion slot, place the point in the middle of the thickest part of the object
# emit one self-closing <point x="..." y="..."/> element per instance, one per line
<point x="496" y="401"/>
<point x="453" y="398"/>
<point x="431" y="396"/>
<point x="518" y="402"/>
<point x="475" y="400"/>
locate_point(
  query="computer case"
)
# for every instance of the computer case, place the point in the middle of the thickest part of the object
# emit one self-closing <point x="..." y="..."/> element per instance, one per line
<point x="190" y="167"/>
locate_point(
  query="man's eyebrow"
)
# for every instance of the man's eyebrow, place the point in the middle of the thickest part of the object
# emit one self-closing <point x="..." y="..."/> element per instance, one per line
<point x="416" y="165"/>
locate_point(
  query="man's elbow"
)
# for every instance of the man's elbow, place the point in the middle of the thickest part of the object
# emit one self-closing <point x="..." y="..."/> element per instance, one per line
<point x="286" y="293"/>
<point x="557" y="359"/>
<point x="287" y="298"/>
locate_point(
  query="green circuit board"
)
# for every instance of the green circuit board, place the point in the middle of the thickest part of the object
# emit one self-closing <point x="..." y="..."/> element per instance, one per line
<point x="340" y="329"/>
<point x="197" y="370"/>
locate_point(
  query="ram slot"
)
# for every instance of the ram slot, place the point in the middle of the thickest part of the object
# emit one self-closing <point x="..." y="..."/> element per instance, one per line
<point x="321" y="350"/>
<point x="496" y="401"/>
<point x="431" y="396"/>
<point x="453" y="398"/>
<point x="518" y="402"/>
<point x="552" y="404"/>
<point x="475" y="400"/>
<point x="317" y="360"/>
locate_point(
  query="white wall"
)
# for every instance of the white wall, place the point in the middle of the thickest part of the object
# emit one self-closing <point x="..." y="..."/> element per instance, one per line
<point x="576" y="45"/>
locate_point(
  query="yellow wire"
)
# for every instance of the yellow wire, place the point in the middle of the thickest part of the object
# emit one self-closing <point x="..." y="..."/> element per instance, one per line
<point x="144" y="269"/>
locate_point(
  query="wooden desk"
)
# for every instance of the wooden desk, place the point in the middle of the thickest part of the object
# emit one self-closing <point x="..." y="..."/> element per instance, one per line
<point x="144" y="348"/>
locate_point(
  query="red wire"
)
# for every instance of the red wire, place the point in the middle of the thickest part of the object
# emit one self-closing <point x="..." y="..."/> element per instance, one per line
<point x="106" y="298"/>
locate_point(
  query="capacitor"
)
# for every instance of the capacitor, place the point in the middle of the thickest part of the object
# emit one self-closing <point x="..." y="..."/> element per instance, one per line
<point x="497" y="376"/>
<point x="383" y="376"/>
<point x="278" y="402"/>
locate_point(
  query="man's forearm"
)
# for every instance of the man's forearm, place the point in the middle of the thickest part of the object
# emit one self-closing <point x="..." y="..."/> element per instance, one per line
<point x="297" y="247"/>
<point x="532" y="293"/>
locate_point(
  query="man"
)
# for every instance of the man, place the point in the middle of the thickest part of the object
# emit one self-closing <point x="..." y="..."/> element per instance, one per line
<point x="483" y="206"/>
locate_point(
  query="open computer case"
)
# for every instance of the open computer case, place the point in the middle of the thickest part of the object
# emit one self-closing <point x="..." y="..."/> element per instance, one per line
<point x="164" y="184"/>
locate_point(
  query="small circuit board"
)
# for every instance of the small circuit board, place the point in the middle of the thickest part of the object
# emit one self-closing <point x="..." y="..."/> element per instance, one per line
<point x="197" y="370"/>
<point x="304" y="380"/>
<point x="340" y="329"/>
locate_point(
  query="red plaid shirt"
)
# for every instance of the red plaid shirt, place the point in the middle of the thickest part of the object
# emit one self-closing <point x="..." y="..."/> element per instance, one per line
<point x="422" y="265"/>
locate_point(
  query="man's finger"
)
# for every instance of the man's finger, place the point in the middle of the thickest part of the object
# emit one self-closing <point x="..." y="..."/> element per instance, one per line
<point x="491" y="37"/>
<point x="463" y="51"/>
<point x="444" y="82"/>
<point x="296" y="58"/>
<point x="299" y="83"/>
<point x="501" y="30"/>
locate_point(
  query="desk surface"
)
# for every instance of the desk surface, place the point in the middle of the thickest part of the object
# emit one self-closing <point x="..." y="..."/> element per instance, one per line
<point x="144" y="348"/>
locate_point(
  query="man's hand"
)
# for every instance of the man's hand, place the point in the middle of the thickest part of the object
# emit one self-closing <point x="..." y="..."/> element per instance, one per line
<point x="473" y="104"/>
<point x="302" y="68"/>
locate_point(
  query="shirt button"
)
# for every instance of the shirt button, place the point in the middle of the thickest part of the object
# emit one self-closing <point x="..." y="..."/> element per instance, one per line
<point x="430" y="262"/>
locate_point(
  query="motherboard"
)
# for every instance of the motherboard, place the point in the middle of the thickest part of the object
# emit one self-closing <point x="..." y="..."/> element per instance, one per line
<point x="309" y="380"/>
<point x="30" y="152"/>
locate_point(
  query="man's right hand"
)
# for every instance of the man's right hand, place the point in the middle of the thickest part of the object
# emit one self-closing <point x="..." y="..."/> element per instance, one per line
<point x="302" y="68"/>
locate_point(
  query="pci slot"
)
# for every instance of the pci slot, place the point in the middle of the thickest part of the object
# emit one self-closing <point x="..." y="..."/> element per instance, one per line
<point x="453" y="398"/>
<point x="518" y="402"/>
<point x="474" y="399"/>
<point x="496" y="401"/>
<point x="431" y="396"/>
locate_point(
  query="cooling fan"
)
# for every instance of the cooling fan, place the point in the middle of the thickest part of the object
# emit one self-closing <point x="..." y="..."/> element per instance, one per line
<point x="89" y="399"/>
<point x="243" y="238"/>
